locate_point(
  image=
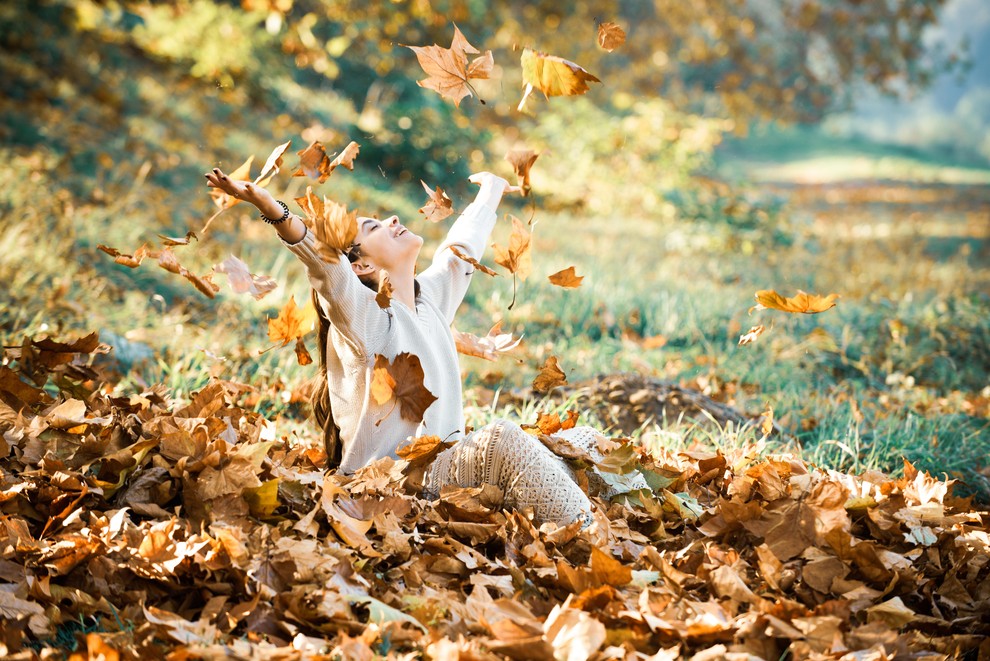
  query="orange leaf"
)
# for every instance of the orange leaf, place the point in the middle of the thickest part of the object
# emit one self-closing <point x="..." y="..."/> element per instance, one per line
<point x="292" y="322"/>
<point x="550" y="376"/>
<point x="314" y="162"/>
<point x="335" y="227"/>
<point x="402" y="379"/>
<point x="384" y="295"/>
<point x="272" y="165"/>
<point x="608" y="570"/>
<point x="438" y="206"/>
<point x="552" y="75"/>
<point x="488" y="347"/>
<point x="243" y="173"/>
<point x="472" y="261"/>
<point x="516" y="257"/>
<point x="800" y="302"/>
<point x="302" y="354"/>
<point x="522" y="161"/>
<point x="567" y="278"/>
<point x="448" y="68"/>
<point x="610" y="36"/>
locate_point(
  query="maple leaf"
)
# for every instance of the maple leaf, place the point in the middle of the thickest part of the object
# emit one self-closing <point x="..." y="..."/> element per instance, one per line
<point x="292" y="322"/>
<point x="242" y="281"/>
<point x="522" y="161"/>
<point x="272" y="165"/>
<point x="550" y="376"/>
<point x="567" y="278"/>
<point x="552" y="75"/>
<point x="438" y="206"/>
<point x="610" y="36"/>
<point x="801" y="302"/>
<point x="384" y="295"/>
<point x="488" y="347"/>
<point x="472" y="261"/>
<point x="302" y="354"/>
<point x="448" y="68"/>
<point x="401" y="379"/>
<point x="750" y="336"/>
<point x="335" y="227"/>
<point x="516" y="256"/>
<point x="314" y="162"/>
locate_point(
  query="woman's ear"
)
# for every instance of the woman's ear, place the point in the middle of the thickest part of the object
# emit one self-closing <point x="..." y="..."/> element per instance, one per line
<point x="362" y="268"/>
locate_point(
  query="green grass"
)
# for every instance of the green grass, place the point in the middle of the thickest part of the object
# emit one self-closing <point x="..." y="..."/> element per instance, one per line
<point x="907" y="345"/>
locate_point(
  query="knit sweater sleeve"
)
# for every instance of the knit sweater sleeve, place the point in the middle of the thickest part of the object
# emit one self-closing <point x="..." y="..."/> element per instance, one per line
<point x="349" y="304"/>
<point x="446" y="281"/>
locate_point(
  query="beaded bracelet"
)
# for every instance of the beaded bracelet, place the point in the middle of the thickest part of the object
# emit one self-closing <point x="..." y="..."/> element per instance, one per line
<point x="285" y="215"/>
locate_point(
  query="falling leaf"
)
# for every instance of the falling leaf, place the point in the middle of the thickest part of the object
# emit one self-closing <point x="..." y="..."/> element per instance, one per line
<point x="488" y="347"/>
<point x="751" y="335"/>
<point x="766" y="421"/>
<point x="448" y="68"/>
<point x="384" y="295"/>
<point x="567" y="278"/>
<point x="522" y="162"/>
<point x="222" y="200"/>
<point x="516" y="256"/>
<point x="550" y="376"/>
<point x="552" y="75"/>
<point x="610" y="36"/>
<point x="292" y="322"/>
<point x="272" y="165"/>
<point x="472" y="261"/>
<point x="335" y="228"/>
<point x="242" y="281"/>
<point x="315" y="164"/>
<point x="131" y="261"/>
<point x="178" y="241"/>
<point x="402" y="379"/>
<point x="800" y="302"/>
<point x="438" y="206"/>
<point x="302" y="354"/>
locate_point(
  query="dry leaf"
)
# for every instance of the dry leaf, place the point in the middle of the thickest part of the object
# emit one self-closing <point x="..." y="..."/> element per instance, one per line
<point x="292" y="322"/>
<point x="384" y="295"/>
<point x="448" y="68"/>
<point x="178" y="241"/>
<point x="314" y="162"/>
<point x="242" y="281"/>
<point x="272" y="165"/>
<point x="302" y="354"/>
<point x="800" y="302"/>
<point x="552" y="75"/>
<point x="472" y="261"/>
<point x="488" y="347"/>
<point x="516" y="256"/>
<point x="333" y="225"/>
<point x="766" y="421"/>
<point x="750" y="336"/>
<point x="221" y="199"/>
<point x="438" y="206"/>
<point x="550" y="376"/>
<point x="566" y="278"/>
<point x="402" y="379"/>
<point x="610" y="36"/>
<point x="522" y="162"/>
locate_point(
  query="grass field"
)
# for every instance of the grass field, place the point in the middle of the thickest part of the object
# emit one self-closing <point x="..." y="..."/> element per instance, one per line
<point x="897" y="369"/>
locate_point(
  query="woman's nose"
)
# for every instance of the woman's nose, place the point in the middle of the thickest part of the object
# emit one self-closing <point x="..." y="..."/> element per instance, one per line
<point x="393" y="221"/>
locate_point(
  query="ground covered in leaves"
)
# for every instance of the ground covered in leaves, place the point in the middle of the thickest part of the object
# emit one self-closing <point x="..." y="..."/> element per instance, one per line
<point x="144" y="527"/>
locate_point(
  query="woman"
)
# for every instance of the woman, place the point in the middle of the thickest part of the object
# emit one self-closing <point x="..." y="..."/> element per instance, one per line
<point x="354" y="329"/>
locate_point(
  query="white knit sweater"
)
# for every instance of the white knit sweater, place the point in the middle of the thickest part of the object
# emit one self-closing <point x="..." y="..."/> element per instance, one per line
<point x="360" y="329"/>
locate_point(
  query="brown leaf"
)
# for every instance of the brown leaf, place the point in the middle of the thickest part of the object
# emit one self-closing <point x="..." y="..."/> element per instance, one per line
<point x="384" y="295"/>
<point x="750" y="336"/>
<point x="178" y="241"/>
<point x="766" y="422"/>
<point x="314" y="162"/>
<point x="522" y="161"/>
<point x="292" y="322"/>
<point x="438" y="206"/>
<point x="272" y="165"/>
<point x="610" y="36"/>
<point x="131" y="261"/>
<point x="550" y="376"/>
<point x="302" y="354"/>
<point x="567" y="278"/>
<point x="242" y="281"/>
<point x="448" y="68"/>
<point x="552" y="75"/>
<point x="472" y="261"/>
<point x="402" y="379"/>
<point x="608" y="570"/>
<point x="516" y="257"/>
<point x="335" y="228"/>
<point x="489" y="347"/>
<point x="800" y="302"/>
<point x="221" y="199"/>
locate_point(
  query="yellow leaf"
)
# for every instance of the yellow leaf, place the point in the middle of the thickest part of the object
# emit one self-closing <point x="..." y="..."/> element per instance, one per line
<point x="552" y="75"/>
<point x="264" y="499"/>
<point x="801" y="302"/>
<point x="292" y="322"/>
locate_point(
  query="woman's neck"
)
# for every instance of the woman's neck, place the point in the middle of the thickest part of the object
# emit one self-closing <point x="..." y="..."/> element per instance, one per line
<point x="404" y="287"/>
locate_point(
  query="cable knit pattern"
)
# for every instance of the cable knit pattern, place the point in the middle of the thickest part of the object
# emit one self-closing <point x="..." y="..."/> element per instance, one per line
<point x="528" y="474"/>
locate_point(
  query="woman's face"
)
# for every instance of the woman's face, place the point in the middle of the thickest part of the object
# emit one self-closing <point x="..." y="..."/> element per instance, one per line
<point x="386" y="244"/>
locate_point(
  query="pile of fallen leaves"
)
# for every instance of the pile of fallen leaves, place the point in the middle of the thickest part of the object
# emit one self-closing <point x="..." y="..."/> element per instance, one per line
<point x="142" y="527"/>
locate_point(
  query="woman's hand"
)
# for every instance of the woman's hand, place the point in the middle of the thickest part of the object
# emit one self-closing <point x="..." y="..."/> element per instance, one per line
<point x="246" y="191"/>
<point x="493" y="182"/>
